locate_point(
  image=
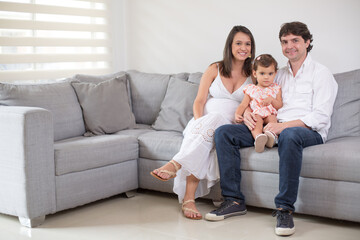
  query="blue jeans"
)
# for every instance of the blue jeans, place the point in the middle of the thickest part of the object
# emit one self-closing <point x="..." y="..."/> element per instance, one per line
<point x="230" y="138"/>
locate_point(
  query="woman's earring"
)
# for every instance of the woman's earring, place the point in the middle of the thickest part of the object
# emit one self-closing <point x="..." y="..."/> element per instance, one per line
<point x="249" y="56"/>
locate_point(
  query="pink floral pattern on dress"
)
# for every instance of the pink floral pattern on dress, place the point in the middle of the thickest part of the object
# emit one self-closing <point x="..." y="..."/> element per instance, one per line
<point x="258" y="94"/>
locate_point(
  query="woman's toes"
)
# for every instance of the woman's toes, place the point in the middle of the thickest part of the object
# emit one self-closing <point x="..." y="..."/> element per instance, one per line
<point x="164" y="175"/>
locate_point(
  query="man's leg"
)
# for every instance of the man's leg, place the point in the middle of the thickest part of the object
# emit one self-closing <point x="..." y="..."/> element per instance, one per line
<point x="291" y="143"/>
<point x="228" y="140"/>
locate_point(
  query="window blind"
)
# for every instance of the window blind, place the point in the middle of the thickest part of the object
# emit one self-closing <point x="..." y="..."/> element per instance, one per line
<point x="51" y="39"/>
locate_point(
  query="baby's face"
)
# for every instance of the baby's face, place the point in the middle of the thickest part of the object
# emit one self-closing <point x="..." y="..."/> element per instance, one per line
<point x="265" y="75"/>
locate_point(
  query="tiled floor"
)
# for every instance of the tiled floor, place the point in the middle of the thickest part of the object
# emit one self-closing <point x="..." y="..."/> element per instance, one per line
<point x="153" y="215"/>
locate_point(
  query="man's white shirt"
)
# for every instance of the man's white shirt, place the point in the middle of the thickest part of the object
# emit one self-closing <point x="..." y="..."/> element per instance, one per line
<point x="309" y="96"/>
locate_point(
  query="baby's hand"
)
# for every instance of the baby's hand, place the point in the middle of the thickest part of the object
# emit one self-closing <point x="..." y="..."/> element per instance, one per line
<point x="267" y="101"/>
<point x="238" y="118"/>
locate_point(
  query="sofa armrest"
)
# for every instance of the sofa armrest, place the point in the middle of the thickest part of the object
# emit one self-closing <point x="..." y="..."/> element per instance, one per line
<point x="27" y="171"/>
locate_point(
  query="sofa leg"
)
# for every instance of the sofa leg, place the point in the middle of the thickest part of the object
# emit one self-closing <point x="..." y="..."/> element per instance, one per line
<point x="130" y="194"/>
<point x="30" y="223"/>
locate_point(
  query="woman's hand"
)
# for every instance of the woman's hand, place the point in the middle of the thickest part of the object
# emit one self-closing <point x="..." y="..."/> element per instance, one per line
<point x="249" y="120"/>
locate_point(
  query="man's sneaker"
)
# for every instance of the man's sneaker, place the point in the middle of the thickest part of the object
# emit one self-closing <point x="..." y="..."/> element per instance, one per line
<point x="227" y="209"/>
<point x="285" y="224"/>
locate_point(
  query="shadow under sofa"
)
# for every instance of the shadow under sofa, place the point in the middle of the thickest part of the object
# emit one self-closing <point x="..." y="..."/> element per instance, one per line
<point x="47" y="165"/>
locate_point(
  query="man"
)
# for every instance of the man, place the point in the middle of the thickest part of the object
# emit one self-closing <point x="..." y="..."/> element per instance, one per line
<point x="309" y="90"/>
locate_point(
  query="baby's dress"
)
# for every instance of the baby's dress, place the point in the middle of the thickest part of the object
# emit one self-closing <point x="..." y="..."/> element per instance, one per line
<point x="258" y="94"/>
<point x="197" y="154"/>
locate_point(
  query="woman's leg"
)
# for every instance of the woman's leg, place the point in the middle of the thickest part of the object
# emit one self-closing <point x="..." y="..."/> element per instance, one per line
<point x="191" y="185"/>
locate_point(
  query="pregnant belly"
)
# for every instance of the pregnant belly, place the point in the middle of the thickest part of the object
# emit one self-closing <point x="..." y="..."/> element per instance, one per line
<point x="226" y="107"/>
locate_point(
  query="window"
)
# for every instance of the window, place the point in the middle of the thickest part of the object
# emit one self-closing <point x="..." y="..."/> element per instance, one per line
<point x="51" y="39"/>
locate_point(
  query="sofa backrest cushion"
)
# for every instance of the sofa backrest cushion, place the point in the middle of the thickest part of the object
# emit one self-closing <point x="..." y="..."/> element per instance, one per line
<point x="345" y="120"/>
<point x="101" y="78"/>
<point x="147" y="92"/>
<point x="105" y="106"/>
<point x="177" y="107"/>
<point x="195" y="77"/>
<point x="58" y="97"/>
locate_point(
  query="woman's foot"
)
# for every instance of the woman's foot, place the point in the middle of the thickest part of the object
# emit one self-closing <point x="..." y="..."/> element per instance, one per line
<point x="190" y="211"/>
<point x="166" y="172"/>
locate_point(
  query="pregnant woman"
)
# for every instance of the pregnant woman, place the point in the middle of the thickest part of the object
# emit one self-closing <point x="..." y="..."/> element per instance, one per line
<point x="195" y="167"/>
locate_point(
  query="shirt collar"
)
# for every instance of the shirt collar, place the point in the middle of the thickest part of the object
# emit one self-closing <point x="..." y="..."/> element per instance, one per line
<point x="306" y="63"/>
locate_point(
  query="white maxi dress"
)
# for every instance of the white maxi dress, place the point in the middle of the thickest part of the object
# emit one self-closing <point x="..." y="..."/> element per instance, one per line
<point x="197" y="152"/>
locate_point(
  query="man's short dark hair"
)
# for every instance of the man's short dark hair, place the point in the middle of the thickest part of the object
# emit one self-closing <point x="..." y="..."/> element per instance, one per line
<point x="298" y="29"/>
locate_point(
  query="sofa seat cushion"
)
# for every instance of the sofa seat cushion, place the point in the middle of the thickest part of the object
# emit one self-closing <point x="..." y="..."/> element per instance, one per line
<point x="83" y="153"/>
<point x="159" y="145"/>
<point x="334" y="160"/>
<point x="138" y="130"/>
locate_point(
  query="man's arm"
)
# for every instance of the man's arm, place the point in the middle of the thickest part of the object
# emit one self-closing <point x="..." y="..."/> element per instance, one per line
<point x="277" y="128"/>
<point x="325" y="90"/>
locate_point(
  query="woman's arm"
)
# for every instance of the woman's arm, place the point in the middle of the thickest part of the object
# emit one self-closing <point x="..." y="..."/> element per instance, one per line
<point x="201" y="97"/>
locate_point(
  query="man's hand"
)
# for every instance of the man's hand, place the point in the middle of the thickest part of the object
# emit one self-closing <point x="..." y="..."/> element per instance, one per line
<point x="249" y="120"/>
<point x="276" y="128"/>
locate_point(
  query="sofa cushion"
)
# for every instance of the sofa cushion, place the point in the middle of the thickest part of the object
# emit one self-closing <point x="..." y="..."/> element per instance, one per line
<point x="345" y="120"/>
<point x="335" y="160"/>
<point x="105" y="106"/>
<point x="159" y="145"/>
<point x="83" y="153"/>
<point x="147" y="92"/>
<point x="177" y="106"/>
<point x="320" y="161"/>
<point x="58" y="97"/>
<point x="195" y="77"/>
<point x="98" y="78"/>
<point x="138" y="130"/>
<point x="101" y="78"/>
<point x="183" y="76"/>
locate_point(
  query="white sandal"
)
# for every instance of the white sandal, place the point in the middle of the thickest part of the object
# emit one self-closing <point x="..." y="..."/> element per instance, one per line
<point x="190" y="210"/>
<point x="171" y="173"/>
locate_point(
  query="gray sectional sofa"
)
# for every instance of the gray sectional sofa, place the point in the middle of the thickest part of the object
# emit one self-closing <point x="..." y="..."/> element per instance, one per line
<point x="51" y="160"/>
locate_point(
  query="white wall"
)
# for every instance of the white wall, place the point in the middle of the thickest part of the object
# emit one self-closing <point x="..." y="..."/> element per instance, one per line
<point x="170" y="36"/>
